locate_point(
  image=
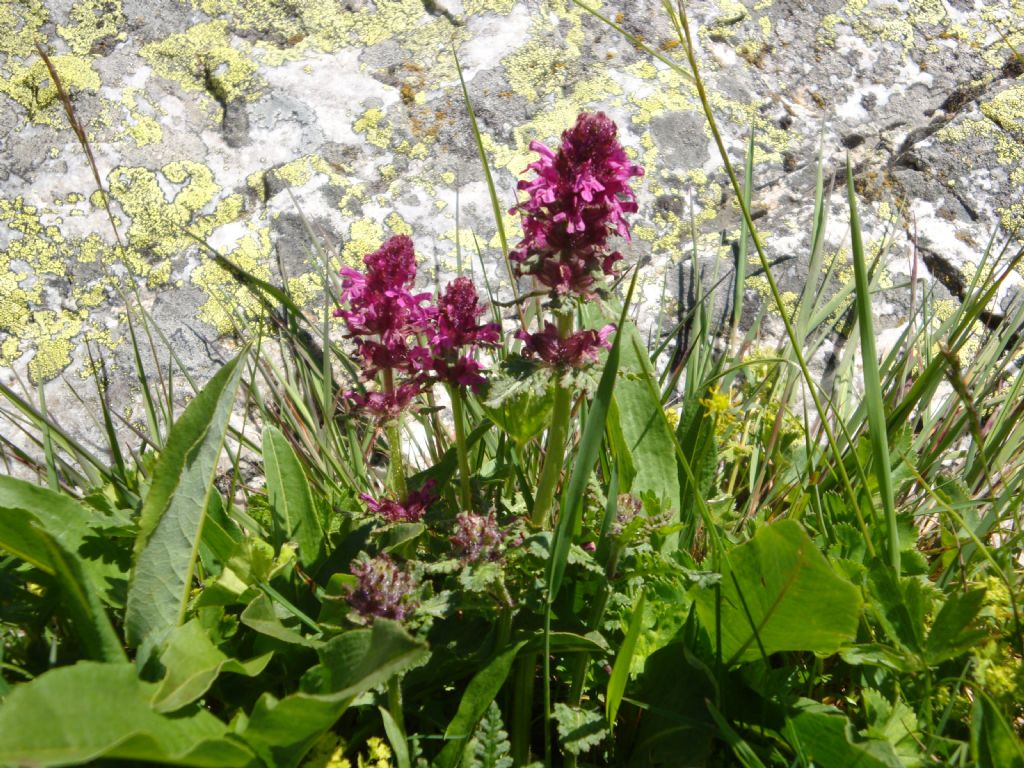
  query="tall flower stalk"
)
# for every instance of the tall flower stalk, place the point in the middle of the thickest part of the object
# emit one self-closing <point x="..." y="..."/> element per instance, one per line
<point x="575" y="203"/>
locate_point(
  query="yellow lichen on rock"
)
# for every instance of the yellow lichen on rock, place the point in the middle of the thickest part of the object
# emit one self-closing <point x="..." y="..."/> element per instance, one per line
<point x="228" y="301"/>
<point x="207" y="59"/>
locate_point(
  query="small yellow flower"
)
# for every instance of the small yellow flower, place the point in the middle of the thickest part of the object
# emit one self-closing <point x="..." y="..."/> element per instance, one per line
<point x="717" y="403"/>
<point x="672" y="416"/>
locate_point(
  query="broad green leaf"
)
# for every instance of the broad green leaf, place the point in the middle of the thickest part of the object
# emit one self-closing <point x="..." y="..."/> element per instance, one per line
<point x="479" y="694"/>
<point x="71" y="525"/>
<point x="22" y="534"/>
<point x="291" y="502"/>
<point x="73" y="715"/>
<point x="623" y="661"/>
<point x="993" y="741"/>
<point x="647" y="434"/>
<point x="193" y="662"/>
<point x="92" y="625"/>
<point x="19" y="537"/>
<point x="172" y="516"/>
<point x="261" y="616"/>
<point x="827" y="738"/>
<point x="283" y="730"/>
<point x="778" y="593"/>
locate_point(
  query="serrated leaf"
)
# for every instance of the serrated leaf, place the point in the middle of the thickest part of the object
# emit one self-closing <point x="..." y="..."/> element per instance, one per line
<point x="579" y="730"/>
<point x="172" y="516"/>
<point x="77" y="714"/>
<point x="951" y="633"/>
<point x="490" y="744"/>
<point x="826" y="737"/>
<point x="291" y="502"/>
<point x="519" y="400"/>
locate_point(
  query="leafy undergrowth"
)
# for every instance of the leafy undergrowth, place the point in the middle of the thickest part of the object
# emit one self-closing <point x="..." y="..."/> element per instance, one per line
<point x="596" y="552"/>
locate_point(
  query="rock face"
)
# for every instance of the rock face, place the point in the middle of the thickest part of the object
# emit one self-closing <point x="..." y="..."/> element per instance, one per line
<point x="251" y="123"/>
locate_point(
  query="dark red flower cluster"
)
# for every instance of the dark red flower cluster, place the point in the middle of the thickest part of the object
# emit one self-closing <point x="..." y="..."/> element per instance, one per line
<point x="409" y="510"/>
<point x="576" y="351"/>
<point x="576" y="201"/>
<point x="382" y="589"/>
<point x="406" y="336"/>
<point x="477" y="537"/>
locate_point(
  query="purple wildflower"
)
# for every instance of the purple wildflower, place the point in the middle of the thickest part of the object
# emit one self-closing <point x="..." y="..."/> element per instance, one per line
<point x="576" y="351"/>
<point x="410" y="510"/>
<point x="477" y="537"/>
<point x="387" y="405"/>
<point x="576" y="201"/>
<point x="386" y="319"/>
<point x="383" y="589"/>
<point x="457" y="313"/>
<point x="455" y="328"/>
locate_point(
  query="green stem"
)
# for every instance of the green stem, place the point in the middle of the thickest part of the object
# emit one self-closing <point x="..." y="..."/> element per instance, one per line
<point x="395" y="704"/>
<point x="466" y="496"/>
<point x="522" y="709"/>
<point x="554" y="456"/>
<point x="393" y="430"/>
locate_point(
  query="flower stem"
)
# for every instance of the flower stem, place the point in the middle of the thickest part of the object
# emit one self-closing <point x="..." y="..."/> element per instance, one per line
<point x="522" y="709"/>
<point x="393" y="430"/>
<point x="465" y="494"/>
<point x="554" y="456"/>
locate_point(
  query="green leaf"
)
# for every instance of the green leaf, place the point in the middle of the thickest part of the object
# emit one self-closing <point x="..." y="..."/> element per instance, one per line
<point x="951" y="634"/>
<point x="193" y="662"/>
<point x="480" y="692"/>
<point x="92" y="625"/>
<point x="261" y="616"/>
<point x="73" y="526"/>
<point x="647" y="434"/>
<point x="827" y="738"/>
<point x="291" y="503"/>
<point x="579" y="730"/>
<point x="172" y="516"/>
<point x="993" y="741"/>
<point x="283" y="730"/>
<point x="24" y="535"/>
<point x="19" y="537"/>
<point x="586" y="456"/>
<point x="778" y="593"/>
<point x="73" y="715"/>
<point x="490" y="744"/>
<point x="519" y="400"/>
<point x="623" y="661"/>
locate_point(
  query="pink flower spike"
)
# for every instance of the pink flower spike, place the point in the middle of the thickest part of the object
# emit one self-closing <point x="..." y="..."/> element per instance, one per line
<point x="457" y="313"/>
<point x="576" y="200"/>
